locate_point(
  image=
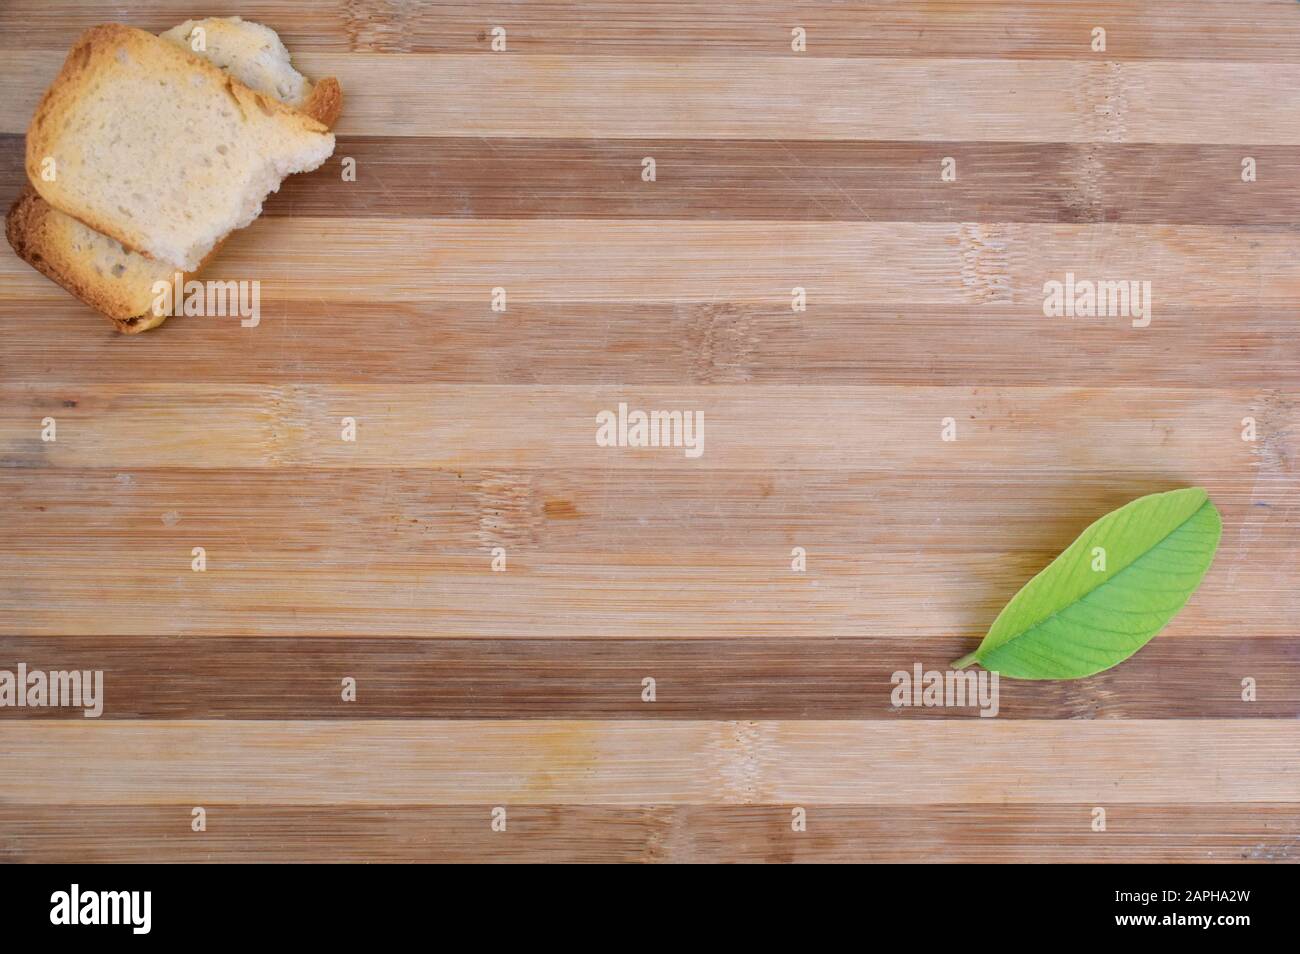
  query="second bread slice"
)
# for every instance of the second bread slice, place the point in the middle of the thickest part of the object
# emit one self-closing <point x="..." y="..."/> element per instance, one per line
<point x="159" y="149"/>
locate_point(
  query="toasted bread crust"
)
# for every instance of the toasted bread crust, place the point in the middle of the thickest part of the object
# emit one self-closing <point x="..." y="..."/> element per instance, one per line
<point x="91" y="59"/>
<point x="325" y="102"/>
<point x="33" y="231"/>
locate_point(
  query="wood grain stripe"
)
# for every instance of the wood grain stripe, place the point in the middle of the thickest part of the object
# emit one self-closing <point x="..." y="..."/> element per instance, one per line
<point x="655" y="343"/>
<point x="1017" y="833"/>
<point x="562" y="594"/>
<point x="663" y="763"/>
<point x="407" y="552"/>
<point x="705" y="96"/>
<point x="799" y="180"/>
<point x="1137" y="431"/>
<point x="1184" y="29"/>
<point x="341" y="515"/>
<point x="898" y="264"/>
<point x="783" y="181"/>
<point x="1182" y="676"/>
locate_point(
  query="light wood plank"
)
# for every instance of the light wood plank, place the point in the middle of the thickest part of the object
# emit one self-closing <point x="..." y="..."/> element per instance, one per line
<point x="894" y="263"/>
<point x="662" y="763"/>
<point x="1180" y="29"/>
<point x="595" y="554"/>
<point x="1180" y="433"/>
<point x="700" y="96"/>
<point x="344" y="514"/>
<point x="987" y="833"/>
<point x="656" y="343"/>
<point x="562" y="594"/>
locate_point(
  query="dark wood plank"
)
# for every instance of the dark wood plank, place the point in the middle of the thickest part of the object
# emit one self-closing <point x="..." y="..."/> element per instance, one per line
<point x="785" y="181"/>
<point x="1182" y="675"/>
<point x="807" y="181"/>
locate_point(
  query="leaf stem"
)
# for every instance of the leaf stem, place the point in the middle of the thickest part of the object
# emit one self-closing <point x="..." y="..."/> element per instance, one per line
<point x="965" y="661"/>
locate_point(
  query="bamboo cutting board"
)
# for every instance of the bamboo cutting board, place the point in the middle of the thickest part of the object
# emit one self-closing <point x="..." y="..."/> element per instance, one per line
<point x="522" y="689"/>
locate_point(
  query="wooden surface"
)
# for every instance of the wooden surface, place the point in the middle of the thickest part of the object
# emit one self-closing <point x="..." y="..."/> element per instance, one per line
<point x="522" y="689"/>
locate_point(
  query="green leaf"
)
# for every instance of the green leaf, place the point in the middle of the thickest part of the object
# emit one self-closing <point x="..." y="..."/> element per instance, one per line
<point x="1074" y="618"/>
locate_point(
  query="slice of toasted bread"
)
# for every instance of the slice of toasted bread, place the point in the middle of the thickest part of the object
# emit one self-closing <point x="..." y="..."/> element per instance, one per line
<point x="159" y="149"/>
<point x="111" y="279"/>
